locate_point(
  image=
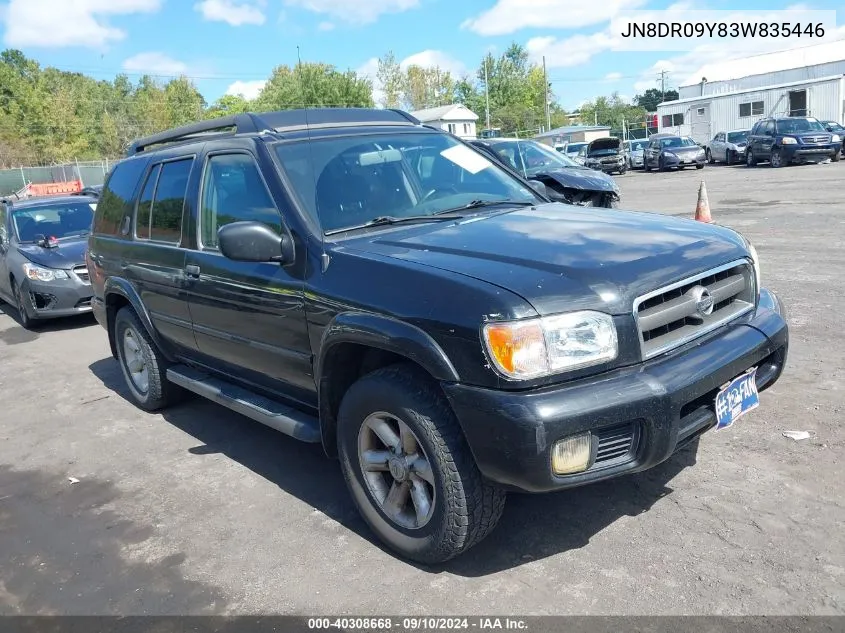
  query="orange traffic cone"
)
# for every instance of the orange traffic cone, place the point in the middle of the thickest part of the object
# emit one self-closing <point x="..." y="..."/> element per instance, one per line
<point x="702" y="209"/>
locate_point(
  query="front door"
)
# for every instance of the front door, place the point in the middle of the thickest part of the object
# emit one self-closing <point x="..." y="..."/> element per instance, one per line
<point x="249" y="318"/>
<point x="5" y="238"/>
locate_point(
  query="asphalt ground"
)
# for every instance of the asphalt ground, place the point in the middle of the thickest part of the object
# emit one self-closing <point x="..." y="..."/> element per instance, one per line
<point x="201" y="511"/>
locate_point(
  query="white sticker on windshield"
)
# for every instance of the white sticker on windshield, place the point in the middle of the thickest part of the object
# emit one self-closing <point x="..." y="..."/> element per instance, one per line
<point x="93" y="206"/>
<point x="465" y="158"/>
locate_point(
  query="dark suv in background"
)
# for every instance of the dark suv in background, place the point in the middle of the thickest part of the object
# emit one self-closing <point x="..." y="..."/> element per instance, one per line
<point x="354" y="278"/>
<point x="786" y="140"/>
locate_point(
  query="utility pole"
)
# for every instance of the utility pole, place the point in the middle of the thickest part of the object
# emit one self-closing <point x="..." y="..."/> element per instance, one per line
<point x="546" y="97"/>
<point x="487" y="91"/>
<point x="663" y="74"/>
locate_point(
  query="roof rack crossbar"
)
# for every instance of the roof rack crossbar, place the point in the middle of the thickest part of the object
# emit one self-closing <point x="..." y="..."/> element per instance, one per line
<point x="242" y="123"/>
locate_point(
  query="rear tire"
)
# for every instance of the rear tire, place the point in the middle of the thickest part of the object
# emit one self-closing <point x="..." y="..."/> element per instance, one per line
<point x="143" y="365"/>
<point x="709" y="156"/>
<point x="700" y="166"/>
<point x="409" y="469"/>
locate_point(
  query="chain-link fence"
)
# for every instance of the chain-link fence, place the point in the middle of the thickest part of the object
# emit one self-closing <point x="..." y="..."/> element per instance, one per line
<point x="89" y="172"/>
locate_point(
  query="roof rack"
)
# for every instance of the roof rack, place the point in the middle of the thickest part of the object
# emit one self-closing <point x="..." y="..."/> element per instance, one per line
<point x="279" y="121"/>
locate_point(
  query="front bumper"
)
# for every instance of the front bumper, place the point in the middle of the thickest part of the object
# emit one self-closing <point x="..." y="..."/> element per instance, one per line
<point x="672" y="160"/>
<point x="792" y="153"/>
<point x="610" y="167"/>
<point x="54" y="299"/>
<point x="654" y="408"/>
<point x="637" y="161"/>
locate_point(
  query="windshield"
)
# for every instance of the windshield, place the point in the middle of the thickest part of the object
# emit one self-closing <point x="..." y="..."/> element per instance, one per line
<point x="345" y="182"/>
<point x="793" y="126"/>
<point x="738" y="137"/>
<point x="574" y="148"/>
<point x="676" y="142"/>
<point x="638" y="146"/>
<point x="62" y="221"/>
<point x="535" y="157"/>
<point x="833" y="125"/>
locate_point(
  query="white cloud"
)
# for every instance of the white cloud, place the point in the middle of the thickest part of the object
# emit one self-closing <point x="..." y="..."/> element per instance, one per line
<point x="154" y="63"/>
<point x="61" y="23"/>
<point x="613" y="76"/>
<point x="325" y="26"/>
<point x="509" y="16"/>
<point x="355" y="11"/>
<point x="247" y="89"/>
<point x="233" y="12"/>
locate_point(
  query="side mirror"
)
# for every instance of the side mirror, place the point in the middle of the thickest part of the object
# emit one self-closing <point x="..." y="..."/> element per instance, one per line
<point x="254" y="242"/>
<point x="539" y="187"/>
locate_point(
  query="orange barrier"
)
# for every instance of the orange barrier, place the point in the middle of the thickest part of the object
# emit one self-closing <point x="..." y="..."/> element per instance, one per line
<point x="54" y="188"/>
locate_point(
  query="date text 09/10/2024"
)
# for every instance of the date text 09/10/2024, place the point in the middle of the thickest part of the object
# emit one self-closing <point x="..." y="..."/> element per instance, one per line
<point x="417" y="623"/>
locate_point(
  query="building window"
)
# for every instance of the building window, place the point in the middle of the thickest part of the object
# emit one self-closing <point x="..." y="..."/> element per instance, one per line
<point x="451" y="128"/>
<point x="752" y="108"/>
<point x="671" y="120"/>
<point x="700" y="112"/>
<point x="466" y="128"/>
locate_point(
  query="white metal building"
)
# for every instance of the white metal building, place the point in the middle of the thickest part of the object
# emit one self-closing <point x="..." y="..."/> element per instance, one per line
<point x="456" y="119"/>
<point x="734" y="95"/>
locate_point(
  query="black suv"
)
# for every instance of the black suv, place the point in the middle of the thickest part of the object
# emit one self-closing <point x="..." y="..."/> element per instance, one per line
<point x="786" y="140"/>
<point x="354" y="278"/>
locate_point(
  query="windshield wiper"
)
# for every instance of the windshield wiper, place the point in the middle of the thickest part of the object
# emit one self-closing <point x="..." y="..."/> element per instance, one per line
<point x="480" y="204"/>
<point x="385" y="220"/>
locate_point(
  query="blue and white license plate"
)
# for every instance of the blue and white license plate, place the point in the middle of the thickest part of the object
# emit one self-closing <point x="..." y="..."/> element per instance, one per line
<point x="736" y="399"/>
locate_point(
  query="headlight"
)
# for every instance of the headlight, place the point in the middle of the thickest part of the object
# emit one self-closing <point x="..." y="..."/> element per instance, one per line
<point x="835" y="138"/>
<point x="39" y="273"/>
<point x="539" y="347"/>
<point x="788" y="140"/>
<point x="670" y="154"/>
<point x="756" y="261"/>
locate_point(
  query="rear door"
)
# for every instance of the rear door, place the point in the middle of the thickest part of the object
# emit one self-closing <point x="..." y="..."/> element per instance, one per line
<point x="155" y="261"/>
<point x="249" y="318"/>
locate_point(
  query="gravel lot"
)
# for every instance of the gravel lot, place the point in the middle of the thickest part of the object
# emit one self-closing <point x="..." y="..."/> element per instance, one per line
<point x="201" y="511"/>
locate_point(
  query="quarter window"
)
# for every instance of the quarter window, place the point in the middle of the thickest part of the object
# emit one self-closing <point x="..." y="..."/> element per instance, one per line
<point x="233" y="191"/>
<point x="115" y="203"/>
<point x="159" y="216"/>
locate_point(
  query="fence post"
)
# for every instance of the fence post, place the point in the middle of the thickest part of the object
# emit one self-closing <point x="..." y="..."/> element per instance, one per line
<point x="79" y="173"/>
<point x="23" y="177"/>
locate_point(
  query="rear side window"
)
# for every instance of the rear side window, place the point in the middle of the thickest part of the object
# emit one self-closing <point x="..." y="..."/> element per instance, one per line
<point x="159" y="216"/>
<point x="116" y="200"/>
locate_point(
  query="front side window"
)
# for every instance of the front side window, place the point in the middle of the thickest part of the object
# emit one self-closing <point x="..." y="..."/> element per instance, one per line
<point x="60" y="221"/>
<point x="159" y="216"/>
<point x="345" y="182"/>
<point x="233" y="191"/>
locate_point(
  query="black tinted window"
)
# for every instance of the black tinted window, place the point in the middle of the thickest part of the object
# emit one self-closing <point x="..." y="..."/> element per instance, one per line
<point x="166" y="187"/>
<point x="116" y="199"/>
<point x="145" y="204"/>
<point x="4" y="232"/>
<point x="233" y="191"/>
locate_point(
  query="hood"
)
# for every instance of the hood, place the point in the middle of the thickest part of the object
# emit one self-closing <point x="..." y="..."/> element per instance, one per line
<point x="606" y="145"/>
<point x="67" y="254"/>
<point x="581" y="178"/>
<point x="560" y="257"/>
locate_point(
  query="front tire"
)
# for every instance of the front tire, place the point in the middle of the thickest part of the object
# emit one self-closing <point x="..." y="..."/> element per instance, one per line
<point x="143" y="365"/>
<point x="776" y="160"/>
<point x="835" y="157"/>
<point x="750" y="161"/>
<point x="22" y="303"/>
<point x="709" y="156"/>
<point x="409" y="469"/>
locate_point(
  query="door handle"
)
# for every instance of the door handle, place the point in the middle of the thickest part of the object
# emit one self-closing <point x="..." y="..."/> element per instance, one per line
<point x="192" y="271"/>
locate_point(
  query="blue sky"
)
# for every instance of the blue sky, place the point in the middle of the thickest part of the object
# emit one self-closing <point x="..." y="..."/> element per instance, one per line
<point x="231" y="45"/>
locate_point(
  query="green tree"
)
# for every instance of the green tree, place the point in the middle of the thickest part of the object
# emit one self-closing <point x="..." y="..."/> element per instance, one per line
<point x="314" y="84"/>
<point x="391" y="78"/>
<point x="651" y="97"/>
<point x="611" y="111"/>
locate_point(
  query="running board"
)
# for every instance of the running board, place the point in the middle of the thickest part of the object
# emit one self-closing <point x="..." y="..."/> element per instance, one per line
<point x="277" y="416"/>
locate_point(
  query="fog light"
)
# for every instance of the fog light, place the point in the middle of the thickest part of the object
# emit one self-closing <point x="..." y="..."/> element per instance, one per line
<point x="572" y="455"/>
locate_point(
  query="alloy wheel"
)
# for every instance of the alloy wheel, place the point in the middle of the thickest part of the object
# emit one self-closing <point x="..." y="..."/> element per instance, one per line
<point x="136" y="362"/>
<point x="397" y="470"/>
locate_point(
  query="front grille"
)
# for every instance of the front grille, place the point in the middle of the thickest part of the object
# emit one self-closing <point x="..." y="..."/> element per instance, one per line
<point x="615" y="444"/>
<point x="815" y="139"/>
<point x="676" y="314"/>
<point x="82" y="273"/>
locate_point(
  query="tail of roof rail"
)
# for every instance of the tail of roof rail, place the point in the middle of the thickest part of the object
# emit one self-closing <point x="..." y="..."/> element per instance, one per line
<point x="242" y="124"/>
